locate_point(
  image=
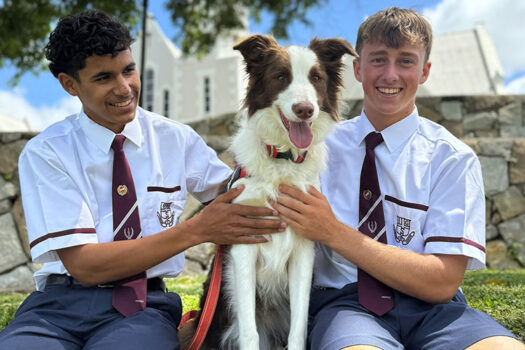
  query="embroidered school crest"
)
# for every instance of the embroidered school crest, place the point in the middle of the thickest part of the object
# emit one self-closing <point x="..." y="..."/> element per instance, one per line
<point x="166" y="215"/>
<point x="402" y="231"/>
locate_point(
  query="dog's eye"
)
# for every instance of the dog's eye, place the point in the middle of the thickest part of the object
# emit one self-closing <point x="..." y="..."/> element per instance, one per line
<point x="316" y="77"/>
<point x="281" y="77"/>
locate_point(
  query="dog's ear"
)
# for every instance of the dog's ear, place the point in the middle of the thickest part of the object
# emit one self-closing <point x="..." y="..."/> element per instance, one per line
<point x="331" y="50"/>
<point x="253" y="47"/>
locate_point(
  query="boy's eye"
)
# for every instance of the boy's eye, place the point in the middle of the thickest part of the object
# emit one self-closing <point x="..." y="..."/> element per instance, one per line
<point x="378" y="60"/>
<point x="101" y="78"/>
<point x="406" y="61"/>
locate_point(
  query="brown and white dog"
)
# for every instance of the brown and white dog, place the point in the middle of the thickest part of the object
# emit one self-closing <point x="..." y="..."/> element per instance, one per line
<point x="290" y="106"/>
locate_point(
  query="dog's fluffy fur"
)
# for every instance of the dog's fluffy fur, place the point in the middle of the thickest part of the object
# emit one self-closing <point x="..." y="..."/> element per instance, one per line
<point x="292" y="104"/>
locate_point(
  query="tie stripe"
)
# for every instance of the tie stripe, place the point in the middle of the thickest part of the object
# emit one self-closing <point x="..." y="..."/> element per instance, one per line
<point x="363" y="220"/>
<point x="117" y="230"/>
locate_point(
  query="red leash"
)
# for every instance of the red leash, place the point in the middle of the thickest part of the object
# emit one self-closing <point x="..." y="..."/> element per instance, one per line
<point x="209" y="305"/>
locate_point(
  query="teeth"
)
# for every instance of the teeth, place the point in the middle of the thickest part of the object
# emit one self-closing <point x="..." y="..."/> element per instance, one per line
<point x="122" y="104"/>
<point x="389" y="90"/>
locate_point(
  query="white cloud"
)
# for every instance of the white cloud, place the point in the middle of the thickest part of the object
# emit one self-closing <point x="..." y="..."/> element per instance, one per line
<point x="516" y="86"/>
<point x="502" y="18"/>
<point x="13" y="104"/>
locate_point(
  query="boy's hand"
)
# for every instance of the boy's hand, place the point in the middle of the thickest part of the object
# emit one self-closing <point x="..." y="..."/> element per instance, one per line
<point x="223" y="222"/>
<point x="309" y="214"/>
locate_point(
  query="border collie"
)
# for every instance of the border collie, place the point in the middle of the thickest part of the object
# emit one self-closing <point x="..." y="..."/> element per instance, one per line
<point x="291" y="105"/>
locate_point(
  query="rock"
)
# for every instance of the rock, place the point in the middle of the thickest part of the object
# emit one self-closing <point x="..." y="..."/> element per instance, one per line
<point x="192" y="268"/>
<point x="512" y="232"/>
<point x="517" y="168"/>
<point x="491" y="232"/>
<point x="493" y="168"/>
<point x="201" y="253"/>
<point x="511" y="114"/>
<point x="8" y="137"/>
<point x="451" y="110"/>
<point x="480" y="121"/>
<point x="10" y="250"/>
<point x="497" y="258"/>
<point x="9" y="154"/>
<point x="496" y="147"/>
<point x="483" y="103"/>
<point x="5" y="206"/>
<point x="18" y="280"/>
<point x="512" y="131"/>
<point x="510" y="203"/>
<point x="18" y="215"/>
<point x="455" y="128"/>
<point x="7" y="189"/>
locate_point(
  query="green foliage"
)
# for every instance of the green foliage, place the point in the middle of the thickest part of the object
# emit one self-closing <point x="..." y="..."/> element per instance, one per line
<point x="202" y="21"/>
<point x="498" y="293"/>
<point x="501" y="294"/>
<point x="26" y="25"/>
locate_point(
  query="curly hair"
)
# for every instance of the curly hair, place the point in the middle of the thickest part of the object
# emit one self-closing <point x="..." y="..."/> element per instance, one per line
<point x="78" y="37"/>
<point x="393" y="27"/>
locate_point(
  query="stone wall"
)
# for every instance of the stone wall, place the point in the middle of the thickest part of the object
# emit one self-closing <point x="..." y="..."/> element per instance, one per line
<point x="494" y="126"/>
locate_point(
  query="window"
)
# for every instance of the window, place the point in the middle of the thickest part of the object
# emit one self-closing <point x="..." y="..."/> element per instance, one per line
<point x="166" y="103"/>
<point x="207" y="101"/>
<point x="149" y="89"/>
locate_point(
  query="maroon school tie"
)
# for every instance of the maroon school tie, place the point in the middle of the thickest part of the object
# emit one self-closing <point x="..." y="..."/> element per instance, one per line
<point x="373" y="295"/>
<point x="129" y="294"/>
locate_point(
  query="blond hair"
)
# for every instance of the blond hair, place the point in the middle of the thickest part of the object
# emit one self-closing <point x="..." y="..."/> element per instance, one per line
<point x="394" y="27"/>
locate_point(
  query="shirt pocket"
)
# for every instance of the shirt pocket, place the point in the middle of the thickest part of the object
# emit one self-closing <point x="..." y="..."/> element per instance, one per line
<point x="167" y="204"/>
<point x="406" y="219"/>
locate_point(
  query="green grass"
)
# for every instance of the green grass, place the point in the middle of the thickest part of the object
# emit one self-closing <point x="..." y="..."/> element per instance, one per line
<point x="501" y="294"/>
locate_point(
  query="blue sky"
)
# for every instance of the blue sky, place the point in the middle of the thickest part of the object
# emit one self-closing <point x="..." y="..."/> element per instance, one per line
<point x="40" y="99"/>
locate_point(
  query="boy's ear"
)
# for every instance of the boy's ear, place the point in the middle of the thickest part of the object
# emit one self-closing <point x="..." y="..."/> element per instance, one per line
<point x="69" y="83"/>
<point x="426" y="72"/>
<point x="357" y="69"/>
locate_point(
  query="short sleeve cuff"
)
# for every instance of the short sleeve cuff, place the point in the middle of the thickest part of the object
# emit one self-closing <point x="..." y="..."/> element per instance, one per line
<point x="44" y="249"/>
<point x="457" y="246"/>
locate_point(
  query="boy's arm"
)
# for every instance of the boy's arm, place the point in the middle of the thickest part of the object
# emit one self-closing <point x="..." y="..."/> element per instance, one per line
<point x="220" y="222"/>
<point x="434" y="278"/>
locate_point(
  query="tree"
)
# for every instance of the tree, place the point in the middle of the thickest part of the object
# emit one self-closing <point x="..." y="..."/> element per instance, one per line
<point x="201" y="21"/>
<point x="26" y="24"/>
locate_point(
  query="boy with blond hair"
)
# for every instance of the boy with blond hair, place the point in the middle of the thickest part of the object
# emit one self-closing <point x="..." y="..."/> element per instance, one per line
<point x="402" y="214"/>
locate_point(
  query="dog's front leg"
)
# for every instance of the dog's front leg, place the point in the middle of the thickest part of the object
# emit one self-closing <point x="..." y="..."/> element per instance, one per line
<point x="244" y="261"/>
<point x="300" y="280"/>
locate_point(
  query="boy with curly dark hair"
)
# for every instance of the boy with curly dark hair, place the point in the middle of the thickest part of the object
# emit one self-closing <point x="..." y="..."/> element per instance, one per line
<point x="103" y="191"/>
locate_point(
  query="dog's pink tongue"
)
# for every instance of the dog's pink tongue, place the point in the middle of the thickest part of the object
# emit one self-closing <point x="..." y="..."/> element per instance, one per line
<point x="301" y="134"/>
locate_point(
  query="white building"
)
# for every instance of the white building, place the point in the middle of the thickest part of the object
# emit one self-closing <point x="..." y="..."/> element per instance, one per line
<point x="190" y="89"/>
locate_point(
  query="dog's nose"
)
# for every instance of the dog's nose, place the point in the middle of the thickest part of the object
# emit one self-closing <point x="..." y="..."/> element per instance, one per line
<point x="303" y="110"/>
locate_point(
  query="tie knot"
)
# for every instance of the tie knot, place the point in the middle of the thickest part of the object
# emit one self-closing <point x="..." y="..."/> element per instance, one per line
<point x="373" y="139"/>
<point x="118" y="142"/>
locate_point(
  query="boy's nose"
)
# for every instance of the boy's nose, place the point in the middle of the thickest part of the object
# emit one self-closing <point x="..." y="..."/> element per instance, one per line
<point x="122" y="86"/>
<point x="390" y="73"/>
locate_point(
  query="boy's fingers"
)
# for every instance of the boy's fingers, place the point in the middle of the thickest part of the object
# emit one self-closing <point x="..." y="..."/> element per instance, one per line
<point x="227" y="197"/>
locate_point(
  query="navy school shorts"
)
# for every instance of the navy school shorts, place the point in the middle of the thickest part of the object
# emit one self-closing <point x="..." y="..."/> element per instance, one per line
<point x="337" y="320"/>
<point x="73" y="317"/>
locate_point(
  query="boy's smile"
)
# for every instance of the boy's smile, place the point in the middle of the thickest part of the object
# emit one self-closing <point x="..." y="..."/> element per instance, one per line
<point x="390" y="79"/>
<point x="108" y="88"/>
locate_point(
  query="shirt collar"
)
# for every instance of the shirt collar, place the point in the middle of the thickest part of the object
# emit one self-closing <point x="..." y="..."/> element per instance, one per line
<point x="395" y="135"/>
<point x="103" y="137"/>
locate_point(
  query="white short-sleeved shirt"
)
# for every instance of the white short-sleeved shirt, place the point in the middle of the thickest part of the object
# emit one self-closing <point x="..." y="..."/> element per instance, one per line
<point x="431" y="185"/>
<point x="66" y="175"/>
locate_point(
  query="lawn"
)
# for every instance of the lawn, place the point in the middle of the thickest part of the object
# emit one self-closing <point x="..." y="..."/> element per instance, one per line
<point x="501" y="294"/>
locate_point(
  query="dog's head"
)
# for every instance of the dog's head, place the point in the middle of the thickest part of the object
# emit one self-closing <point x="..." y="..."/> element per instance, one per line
<point x="294" y="87"/>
